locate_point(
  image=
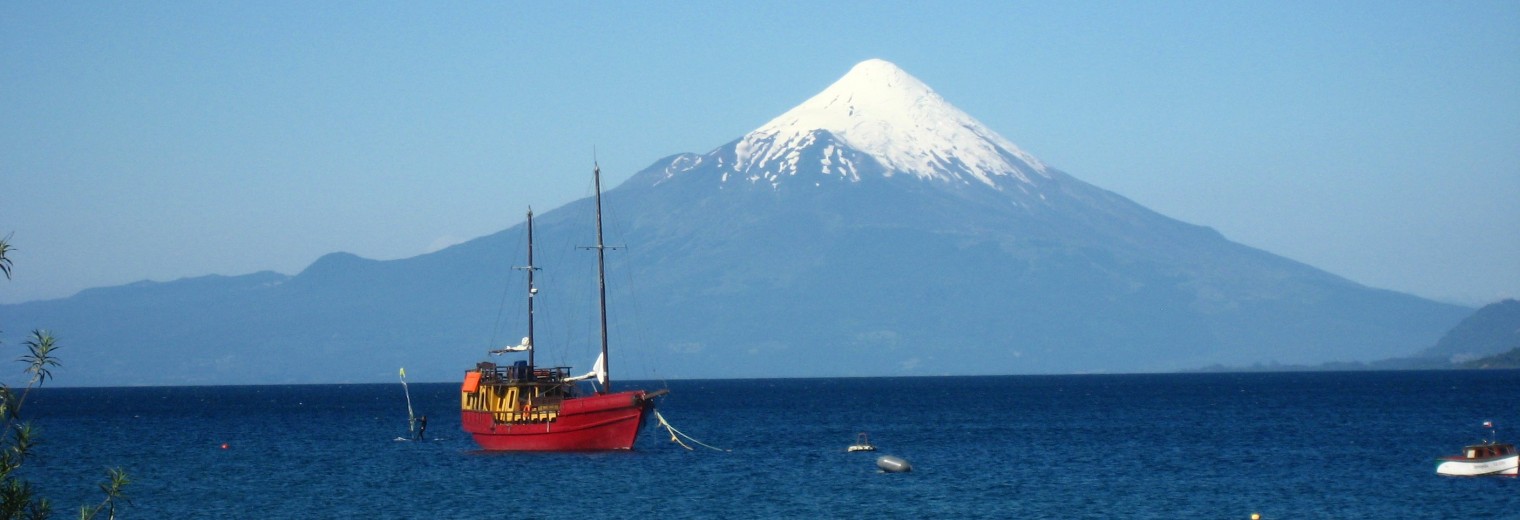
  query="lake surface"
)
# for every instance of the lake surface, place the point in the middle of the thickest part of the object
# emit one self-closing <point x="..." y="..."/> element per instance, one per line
<point x="1285" y="445"/>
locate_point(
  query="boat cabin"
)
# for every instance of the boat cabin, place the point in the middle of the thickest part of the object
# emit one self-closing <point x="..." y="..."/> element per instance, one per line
<point x="1488" y="451"/>
<point x="516" y="393"/>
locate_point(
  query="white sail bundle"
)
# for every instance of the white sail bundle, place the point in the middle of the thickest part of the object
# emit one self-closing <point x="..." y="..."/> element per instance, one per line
<point x="520" y="347"/>
<point x="598" y="370"/>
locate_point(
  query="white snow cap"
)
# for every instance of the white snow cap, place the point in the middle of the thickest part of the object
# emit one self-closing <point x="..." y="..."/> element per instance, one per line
<point x="882" y="111"/>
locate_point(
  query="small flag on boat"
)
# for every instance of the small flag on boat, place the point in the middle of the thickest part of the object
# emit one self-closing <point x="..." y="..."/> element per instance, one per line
<point x="1488" y="424"/>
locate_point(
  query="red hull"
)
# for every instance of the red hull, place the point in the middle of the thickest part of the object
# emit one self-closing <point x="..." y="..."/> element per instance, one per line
<point x="592" y="423"/>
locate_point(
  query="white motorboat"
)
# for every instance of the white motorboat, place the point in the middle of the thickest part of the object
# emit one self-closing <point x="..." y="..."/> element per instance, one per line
<point x="1488" y="458"/>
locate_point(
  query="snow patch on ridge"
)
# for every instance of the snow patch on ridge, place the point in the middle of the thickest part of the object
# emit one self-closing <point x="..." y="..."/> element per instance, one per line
<point x="882" y="111"/>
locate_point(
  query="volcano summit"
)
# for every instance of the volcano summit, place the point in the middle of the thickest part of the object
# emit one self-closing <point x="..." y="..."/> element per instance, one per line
<point x="894" y="119"/>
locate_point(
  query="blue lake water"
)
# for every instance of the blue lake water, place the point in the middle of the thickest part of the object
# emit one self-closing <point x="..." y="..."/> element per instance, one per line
<point x="1285" y="445"/>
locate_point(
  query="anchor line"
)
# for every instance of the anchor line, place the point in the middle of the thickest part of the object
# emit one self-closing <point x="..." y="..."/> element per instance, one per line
<point x="676" y="435"/>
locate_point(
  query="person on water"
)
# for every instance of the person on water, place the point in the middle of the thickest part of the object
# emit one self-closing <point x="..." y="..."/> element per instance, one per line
<point x="421" y="426"/>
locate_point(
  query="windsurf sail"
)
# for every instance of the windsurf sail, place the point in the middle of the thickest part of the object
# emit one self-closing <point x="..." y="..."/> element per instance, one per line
<point x="411" y="419"/>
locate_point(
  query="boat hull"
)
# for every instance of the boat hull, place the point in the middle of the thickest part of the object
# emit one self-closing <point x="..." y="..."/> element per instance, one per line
<point x="592" y="423"/>
<point x="1464" y="467"/>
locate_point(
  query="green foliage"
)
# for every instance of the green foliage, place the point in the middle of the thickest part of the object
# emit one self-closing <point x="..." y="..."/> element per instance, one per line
<point x="113" y="490"/>
<point x="5" y="263"/>
<point x="18" y="438"/>
<point x="40" y="357"/>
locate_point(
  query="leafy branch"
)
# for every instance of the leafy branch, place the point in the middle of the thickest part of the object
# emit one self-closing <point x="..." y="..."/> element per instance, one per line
<point x="18" y="439"/>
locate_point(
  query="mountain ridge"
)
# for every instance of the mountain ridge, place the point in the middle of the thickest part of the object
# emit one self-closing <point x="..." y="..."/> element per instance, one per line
<point x="747" y="269"/>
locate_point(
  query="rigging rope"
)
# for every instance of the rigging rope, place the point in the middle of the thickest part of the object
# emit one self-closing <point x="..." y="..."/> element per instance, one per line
<point x="674" y="433"/>
<point x="506" y="292"/>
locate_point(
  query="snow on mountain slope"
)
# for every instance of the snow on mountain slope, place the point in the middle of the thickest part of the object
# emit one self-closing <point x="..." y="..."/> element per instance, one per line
<point x="887" y="114"/>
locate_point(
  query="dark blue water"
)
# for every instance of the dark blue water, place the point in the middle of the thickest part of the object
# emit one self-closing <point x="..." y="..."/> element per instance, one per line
<point x="1285" y="445"/>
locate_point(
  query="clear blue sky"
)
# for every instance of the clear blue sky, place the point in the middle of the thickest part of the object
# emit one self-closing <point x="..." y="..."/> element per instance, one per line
<point x="158" y="140"/>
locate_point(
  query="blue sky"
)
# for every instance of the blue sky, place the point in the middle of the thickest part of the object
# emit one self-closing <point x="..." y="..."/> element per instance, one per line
<point x="1377" y="140"/>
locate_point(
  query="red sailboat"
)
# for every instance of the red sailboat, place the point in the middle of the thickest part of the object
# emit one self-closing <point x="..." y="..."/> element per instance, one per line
<point x="524" y="407"/>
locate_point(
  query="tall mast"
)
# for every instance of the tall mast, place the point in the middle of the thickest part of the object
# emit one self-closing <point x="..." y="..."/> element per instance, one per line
<point x="601" y="280"/>
<point x="532" y="290"/>
<point x="601" y="277"/>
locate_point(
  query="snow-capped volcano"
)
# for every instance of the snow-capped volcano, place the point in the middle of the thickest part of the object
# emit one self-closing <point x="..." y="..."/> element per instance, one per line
<point x="891" y="117"/>
<point x="788" y="252"/>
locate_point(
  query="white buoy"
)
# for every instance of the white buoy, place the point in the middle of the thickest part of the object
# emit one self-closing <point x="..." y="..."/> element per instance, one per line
<point x="893" y="464"/>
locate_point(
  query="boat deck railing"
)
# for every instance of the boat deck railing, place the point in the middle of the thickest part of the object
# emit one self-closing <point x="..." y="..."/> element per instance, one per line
<point x="521" y="373"/>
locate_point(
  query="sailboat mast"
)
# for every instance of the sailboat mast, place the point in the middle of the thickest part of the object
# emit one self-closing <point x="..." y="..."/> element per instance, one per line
<point x="532" y="341"/>
<point x="532" y="291"/>
<point x="601" y="279"/>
